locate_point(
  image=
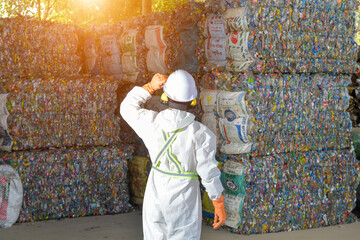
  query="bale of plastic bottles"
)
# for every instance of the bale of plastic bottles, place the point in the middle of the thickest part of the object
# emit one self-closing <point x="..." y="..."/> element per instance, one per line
<point x="264" y="36"/>
<point x="280" y="113"/>
<point x="73" y="182"/>
<point x="59" y="112"/>
<point x="292" y="191"/>
<point x="37" y="48"/>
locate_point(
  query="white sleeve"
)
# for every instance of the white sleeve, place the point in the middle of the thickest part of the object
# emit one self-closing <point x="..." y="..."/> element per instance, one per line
<point x="207" y="166"/>
<point x="139" y="119"/>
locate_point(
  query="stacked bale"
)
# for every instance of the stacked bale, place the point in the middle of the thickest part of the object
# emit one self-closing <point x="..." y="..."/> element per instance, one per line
<point x="74" y="182"/>
<point x="50" y="113"/>
<point x="283" y="124"/>
<point x="24" y="52"/>
<point x="61" y="133"/>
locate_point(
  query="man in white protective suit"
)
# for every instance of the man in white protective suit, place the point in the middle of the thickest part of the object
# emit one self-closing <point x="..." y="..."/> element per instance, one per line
<point x="182" y="150"/>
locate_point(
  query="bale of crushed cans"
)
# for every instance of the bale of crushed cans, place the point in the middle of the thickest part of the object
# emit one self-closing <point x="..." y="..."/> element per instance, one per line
<point x="59" y="112"/>
<point x="72" y="182"/>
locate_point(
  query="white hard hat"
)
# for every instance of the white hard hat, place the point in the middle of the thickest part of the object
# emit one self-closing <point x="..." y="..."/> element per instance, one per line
<point x="180" y="86"/>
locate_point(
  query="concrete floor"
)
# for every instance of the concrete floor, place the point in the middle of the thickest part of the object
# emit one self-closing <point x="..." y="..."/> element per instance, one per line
<point x="128" y="227"/>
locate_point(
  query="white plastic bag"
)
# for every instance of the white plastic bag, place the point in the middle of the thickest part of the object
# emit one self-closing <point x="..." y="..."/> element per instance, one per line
<point x="237" y="46"/>
<point x="210" y="120"/>
<point x="155" y="61"/>
<point x="234" y="133"/>
<point x="108" y="45"/>
<point x="208" y="100"/>
<point x="214" y="26"/>
<point x="154" y="37"/>
<point x="231" y="105"/>
<point x="11" y="196"/>
<point x="215" y="49"/>
<point x="235" y="19"/>
<point x="128" y="62"/>
<point x="112" y="65"/>
<point x="127" y="41"/>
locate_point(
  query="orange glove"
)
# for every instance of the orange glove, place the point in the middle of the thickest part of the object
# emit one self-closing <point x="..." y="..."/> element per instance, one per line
<point x="157" y="82"/>
<point x="220" y="214"/>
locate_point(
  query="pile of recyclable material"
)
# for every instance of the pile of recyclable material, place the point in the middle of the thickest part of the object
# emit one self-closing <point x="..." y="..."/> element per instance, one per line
<point x="161" y="41"/>
<point x="222" y="5"/>
<point x="37" y="48"/>
<point x="278" y="113"/>
<point x="59" y="112"/>
<point x="292" y="191"/>
<point x="75" y="182"/>
<point x="186" y="17"/>
<point x="265" y="37"/>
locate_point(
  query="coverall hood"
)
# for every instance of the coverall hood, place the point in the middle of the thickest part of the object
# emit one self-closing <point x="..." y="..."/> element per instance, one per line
<point x="173" y="119"/>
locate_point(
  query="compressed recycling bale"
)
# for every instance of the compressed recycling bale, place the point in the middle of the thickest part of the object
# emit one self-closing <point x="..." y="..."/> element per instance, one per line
<point x="290" y="18"/>
<point x="288" y="112"/>
<point x="222" y="6"/>
<point x="37" y="48"/>
<point x="264" y="37"/>
<point x="290" y="191"/>
<point x="189" y="36"/>
<point x="78" y="182"/>
<point x="59" y="113"/>
<point x="284" y="49"/>
<point x="47" y="130"/>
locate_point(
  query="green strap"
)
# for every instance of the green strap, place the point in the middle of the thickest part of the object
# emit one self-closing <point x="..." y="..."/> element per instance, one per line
<point x="176" y="174"/>
<point x="165" y="147"/>
<point x="172" y="158"/>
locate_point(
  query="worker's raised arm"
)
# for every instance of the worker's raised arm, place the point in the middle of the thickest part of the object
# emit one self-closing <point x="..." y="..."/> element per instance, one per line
<point x="139" y="118"/>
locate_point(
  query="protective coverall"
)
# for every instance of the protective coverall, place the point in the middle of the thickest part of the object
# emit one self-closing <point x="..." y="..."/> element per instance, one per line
<point x="172" y="201"/>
